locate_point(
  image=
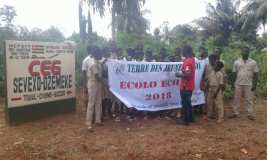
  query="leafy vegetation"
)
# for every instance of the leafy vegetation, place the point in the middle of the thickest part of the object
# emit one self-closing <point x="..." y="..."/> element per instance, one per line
<point x="226" y="25"/>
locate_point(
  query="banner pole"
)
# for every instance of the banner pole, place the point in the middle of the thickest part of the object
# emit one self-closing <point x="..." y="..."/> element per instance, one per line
<point x="7" y="112"/>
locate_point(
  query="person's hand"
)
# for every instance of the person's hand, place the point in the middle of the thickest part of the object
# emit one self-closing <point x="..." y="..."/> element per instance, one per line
<point x="99" y="78"/>
<point x="223" y="87"/>
<point x="232" y="87"/>
<point x="108" y="86"/>
<point x="207" y="87"/>
<point x="203" y="86"/>
<point x="178" y="74"/>
<point x="85" y="90"/>
<point x="105" y="60"/>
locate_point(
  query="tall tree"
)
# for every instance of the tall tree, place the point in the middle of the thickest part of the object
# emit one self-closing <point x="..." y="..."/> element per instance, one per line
<point x="82" y="21"/>
<point x="113" y="25"/>
<point x="7" y="15"/>
<point x="7" y="32"/>
<point x="127" y="15"/>
<point x="183" y="32"/>
<point x="52" y="34"/>
<point x="222" y="19"/>
<point x="130" y="17"/>
<point x="89" y="24"/>
<point x="255" y="11"/>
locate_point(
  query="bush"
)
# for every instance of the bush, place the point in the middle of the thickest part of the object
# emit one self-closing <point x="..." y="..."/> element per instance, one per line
<point x="232" y="53"/>
<point x="80" y="54"/>
<point x="261" y="58"/>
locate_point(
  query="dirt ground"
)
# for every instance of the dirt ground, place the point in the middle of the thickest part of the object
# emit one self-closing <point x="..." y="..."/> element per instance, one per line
<point x="64" y="136"/>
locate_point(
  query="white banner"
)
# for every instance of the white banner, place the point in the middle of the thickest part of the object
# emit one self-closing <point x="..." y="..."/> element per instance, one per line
<point x="39" y="72"/>
<point x="151" y="86"/>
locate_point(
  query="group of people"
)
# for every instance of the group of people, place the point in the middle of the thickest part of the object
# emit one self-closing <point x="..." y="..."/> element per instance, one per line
<point x="102" y="103"/>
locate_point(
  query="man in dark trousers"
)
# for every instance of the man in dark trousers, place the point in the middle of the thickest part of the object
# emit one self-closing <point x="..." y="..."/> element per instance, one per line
<point x="187" y="84"/>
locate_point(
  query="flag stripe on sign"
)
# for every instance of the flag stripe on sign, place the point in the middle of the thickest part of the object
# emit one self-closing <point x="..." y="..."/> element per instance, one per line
<point x="37" y="46"/>
<point x="37" y="49"/>
<point x="69" y="92"/>
<point x="15" y="98"/>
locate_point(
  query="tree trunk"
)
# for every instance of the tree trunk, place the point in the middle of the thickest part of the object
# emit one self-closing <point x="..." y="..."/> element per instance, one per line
<point x="82" y="23"/>
<point x="80" y="20"/>
<point x="89" y="25"/>
<point x="113" y="26"/>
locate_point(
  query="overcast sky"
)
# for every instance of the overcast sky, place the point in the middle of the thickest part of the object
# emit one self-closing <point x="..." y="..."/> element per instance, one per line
<point x="64" y="14"/>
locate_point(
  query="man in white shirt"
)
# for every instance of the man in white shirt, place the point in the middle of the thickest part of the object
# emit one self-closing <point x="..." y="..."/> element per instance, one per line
<point x="88" y="61"/>
<point x="92" y="82"/>
<point x="203" y="55"/>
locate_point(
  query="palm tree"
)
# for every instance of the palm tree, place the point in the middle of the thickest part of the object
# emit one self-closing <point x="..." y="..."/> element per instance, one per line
<point x="255" y="10"/>
<point x="82" y="21"/>
<point x="130" y="17"/>
<point x="7" y="15"/>
<point x="127" y="15"/>
<point x="222" y="19"/>
<point x="89" y="24"/>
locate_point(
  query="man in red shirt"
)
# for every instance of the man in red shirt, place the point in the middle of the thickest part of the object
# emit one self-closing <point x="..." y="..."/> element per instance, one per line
<point x="187" y="84"/>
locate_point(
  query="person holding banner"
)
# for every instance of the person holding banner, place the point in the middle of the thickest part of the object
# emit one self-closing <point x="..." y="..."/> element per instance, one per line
<point x="187" y="84"/>
<point x="93" y="76"/>
<point x="117" y="106"/>
<point x="177" y="55"/>
<point x="178" y="58"/>
<point x="106" y="101"/>
<point x="203" y="55"/>
<point x="137" y="55"/>
<point x="148" y="56"/>
<point x="162" y="56"/>
<point x="86" y="62"/>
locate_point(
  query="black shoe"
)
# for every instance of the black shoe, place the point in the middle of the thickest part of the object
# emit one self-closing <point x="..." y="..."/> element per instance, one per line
<point x="212" y="117"/>
<point x="252" y="118"/>
<point x="233" y="116"/>
<point x="181" y="122"/>
<point x="90" y="129"/>
<point x="186" y="123"/>
<point x="100" y="124"/>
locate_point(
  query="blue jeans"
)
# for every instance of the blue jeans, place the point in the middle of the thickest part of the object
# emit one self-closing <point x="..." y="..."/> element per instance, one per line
<point x="187" y="109"/>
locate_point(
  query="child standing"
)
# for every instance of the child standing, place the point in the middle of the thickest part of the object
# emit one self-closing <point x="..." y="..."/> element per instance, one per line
<point x="215" y="92"/>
